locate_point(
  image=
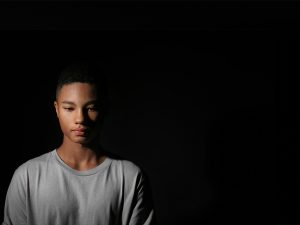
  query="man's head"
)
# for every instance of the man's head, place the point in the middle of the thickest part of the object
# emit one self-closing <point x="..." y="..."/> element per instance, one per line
<point x="80" y="102"/>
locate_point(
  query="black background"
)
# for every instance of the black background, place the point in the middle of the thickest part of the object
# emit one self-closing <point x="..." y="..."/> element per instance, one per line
<point x="204" y="97"/>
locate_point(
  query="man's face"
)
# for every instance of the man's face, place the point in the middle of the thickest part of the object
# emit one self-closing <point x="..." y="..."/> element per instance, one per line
<point x="78" y="112"/>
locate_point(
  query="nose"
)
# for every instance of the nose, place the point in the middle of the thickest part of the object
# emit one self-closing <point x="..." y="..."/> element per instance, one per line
<point x="79" y="116"/>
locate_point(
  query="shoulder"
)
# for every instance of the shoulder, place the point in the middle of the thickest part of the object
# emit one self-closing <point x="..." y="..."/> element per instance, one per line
<point x="29" y="168"/>
<point x="33" y="165"/>
<point x="132" y="177"/>
<point x="128" y="174"/>
<point x="126" y="167"/>
<point x="127" y="171"/>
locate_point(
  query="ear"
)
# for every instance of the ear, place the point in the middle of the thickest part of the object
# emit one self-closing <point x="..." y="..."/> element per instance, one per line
<point x="56" y="107"/>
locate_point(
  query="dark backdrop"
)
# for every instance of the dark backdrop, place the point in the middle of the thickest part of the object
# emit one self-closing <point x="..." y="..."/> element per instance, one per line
<point x="203" y="96"/>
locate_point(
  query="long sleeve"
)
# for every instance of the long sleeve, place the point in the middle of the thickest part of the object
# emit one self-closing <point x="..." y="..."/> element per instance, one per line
<point x="15" y="212"/>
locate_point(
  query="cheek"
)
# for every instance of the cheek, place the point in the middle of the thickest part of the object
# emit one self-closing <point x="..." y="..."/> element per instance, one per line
<point x="93" y="116"/>
<point x="64" y="120"/>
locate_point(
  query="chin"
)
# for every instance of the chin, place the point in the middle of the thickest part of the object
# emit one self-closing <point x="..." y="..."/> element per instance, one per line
<point x="81" y="140"/>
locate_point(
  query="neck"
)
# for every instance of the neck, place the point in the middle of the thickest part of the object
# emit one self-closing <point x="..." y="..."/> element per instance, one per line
<point x="80" y="157"/>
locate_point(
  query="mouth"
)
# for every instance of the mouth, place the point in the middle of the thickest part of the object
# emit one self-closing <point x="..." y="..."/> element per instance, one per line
<point x="80" y="132"/>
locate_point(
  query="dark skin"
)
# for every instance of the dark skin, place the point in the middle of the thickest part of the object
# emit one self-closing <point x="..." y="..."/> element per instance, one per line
<point x="79" y="118"/>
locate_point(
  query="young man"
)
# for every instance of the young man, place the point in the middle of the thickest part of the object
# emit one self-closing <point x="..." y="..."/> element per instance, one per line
<point x="79" y="183"/>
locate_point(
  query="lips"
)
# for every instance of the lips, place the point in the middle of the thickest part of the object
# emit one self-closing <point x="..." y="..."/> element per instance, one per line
<point x="80" y="131"/>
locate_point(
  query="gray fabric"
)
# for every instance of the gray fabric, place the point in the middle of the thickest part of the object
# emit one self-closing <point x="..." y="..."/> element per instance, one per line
<point x="46" y="191"/>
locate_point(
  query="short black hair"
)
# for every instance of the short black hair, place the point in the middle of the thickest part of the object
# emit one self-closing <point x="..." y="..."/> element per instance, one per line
<point x="85" y="72"/>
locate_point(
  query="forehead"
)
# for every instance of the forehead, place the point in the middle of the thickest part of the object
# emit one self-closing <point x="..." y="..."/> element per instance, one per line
<point x="76" y="91"/>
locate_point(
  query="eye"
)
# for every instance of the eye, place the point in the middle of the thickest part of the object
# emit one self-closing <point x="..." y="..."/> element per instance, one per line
<point x="68" y="108"/>
<point x="92" y="109"/>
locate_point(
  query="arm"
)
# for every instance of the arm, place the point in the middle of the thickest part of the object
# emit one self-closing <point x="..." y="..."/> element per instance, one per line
<point x="15" y="212"/>
<point x="142" y="209"/>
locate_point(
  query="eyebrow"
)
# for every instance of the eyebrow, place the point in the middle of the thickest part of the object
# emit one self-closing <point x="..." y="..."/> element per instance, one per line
<point x="72" y="103"/>
<point x="68" y="102"/>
